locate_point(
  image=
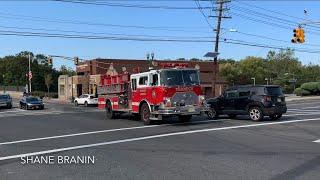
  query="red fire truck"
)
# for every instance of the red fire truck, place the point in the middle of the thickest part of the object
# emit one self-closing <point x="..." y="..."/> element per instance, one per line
<point x="172" y="90"/>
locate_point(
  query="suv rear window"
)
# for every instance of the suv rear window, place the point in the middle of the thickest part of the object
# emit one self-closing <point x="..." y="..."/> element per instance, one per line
<point x="4" y="97"/>
<point x="274" y="91"/>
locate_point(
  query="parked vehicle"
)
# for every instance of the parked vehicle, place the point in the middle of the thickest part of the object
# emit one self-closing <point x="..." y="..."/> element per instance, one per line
<point x="255" y="101"/>
<point x="29" y="102"/>
<point x="86" y="100"/>
<point x="173" y="90"/>
<point x="5" y="101"/>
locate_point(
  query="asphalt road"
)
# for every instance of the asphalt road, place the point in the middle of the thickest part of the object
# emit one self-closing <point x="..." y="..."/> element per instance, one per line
<point x="125" y="149"/>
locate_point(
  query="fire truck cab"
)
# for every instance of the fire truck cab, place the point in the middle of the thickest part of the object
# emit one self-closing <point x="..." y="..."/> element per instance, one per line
<point x="156" y="94"/>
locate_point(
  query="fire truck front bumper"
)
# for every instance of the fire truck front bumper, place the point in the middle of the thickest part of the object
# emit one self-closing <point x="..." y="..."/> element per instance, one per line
<point x="179" y="110"/>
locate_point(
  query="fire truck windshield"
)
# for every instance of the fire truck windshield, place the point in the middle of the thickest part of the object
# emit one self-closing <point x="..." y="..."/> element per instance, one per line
<point x="179" y="77"/>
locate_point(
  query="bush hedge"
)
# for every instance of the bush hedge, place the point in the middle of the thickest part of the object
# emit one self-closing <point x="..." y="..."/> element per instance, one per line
<point x="42" y="94"/>
<point x="302" y="92"/>
<point x="309" y="88"/>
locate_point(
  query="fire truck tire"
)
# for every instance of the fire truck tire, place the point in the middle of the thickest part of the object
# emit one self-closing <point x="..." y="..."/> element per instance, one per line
<point x="185" y="118"/>
<point x="110" y="114"/>
<point x="145" y="114"/>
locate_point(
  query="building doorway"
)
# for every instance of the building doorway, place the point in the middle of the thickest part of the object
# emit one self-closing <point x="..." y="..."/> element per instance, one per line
<point x="79" y="90"/>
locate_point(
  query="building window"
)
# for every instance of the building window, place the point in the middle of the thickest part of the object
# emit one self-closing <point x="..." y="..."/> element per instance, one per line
<point x="62" y="90"/>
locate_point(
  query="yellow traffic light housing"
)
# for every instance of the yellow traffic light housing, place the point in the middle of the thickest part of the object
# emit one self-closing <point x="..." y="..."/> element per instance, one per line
<point x="298" y="36"/>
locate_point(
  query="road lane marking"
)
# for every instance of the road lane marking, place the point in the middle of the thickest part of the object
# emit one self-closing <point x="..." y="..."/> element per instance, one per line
<point x="307" y="103"/>
<point x="101" y="131"/>
<point x="317" y="141"/>
<point x="149" y="137"/>
<point x="304" y="114"/>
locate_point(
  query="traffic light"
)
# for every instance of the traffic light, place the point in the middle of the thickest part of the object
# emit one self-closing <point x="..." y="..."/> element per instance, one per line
<point x="76" y="61"/>
<point x="301" y="37"/>
<point x="50" y="61"/>
<point x="298" y="36"/>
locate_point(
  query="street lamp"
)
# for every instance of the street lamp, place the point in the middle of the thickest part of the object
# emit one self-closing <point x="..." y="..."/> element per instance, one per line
<point x="254" y="80"/>
<point x="293" y="80"/>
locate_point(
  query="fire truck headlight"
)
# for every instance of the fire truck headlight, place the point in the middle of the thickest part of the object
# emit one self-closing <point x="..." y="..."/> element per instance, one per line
<point x="167" y="102"/>
<point x="201" y="99"/>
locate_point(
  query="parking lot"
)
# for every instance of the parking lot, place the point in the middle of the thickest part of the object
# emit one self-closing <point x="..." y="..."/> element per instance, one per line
<point x="125" y="149"/>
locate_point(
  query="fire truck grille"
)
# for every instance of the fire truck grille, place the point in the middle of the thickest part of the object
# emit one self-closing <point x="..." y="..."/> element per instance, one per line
<point x="185" y="98"/>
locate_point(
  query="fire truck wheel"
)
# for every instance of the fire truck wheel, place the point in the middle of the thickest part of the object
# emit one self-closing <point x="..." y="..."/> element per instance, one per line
<point x="145" y="114"/>
<point x="109" y="112"/>
<point x="185" y="118"/>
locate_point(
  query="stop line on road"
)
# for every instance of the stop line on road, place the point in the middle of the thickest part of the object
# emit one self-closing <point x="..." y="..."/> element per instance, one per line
<point x="21" y="112"/>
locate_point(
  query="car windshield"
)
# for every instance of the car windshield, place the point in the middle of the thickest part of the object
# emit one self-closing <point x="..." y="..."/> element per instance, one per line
<point x="4" y="97"/>
<point x="275" y="91"/>
<point x="32" y="99"/>
<point x="179" y="77"/>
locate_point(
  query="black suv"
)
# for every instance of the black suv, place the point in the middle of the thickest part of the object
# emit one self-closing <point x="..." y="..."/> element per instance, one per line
<point x="255" y="101"/>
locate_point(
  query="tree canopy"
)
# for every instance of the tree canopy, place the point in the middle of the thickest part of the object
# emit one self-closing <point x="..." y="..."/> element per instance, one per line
<point x="13" y="70"/>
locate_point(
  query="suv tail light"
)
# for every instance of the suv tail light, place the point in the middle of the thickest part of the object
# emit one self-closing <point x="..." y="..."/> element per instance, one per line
<point x="267" y="98"/>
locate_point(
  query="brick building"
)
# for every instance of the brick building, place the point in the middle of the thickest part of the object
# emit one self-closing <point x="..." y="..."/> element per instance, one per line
<point x="88" y="75"/>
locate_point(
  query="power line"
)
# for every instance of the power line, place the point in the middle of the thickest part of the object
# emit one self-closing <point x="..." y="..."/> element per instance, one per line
<point x="245" y="17"/>
<point x="273" y="39"/>
<point x="275" y="12"/>
<point x="205" y="17"/>
<point x="98" y="33"/>
<point x="123" y="5"/>
<point x="76" y="22"/>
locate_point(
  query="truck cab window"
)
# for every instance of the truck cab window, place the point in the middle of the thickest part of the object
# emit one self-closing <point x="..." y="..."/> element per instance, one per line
<point x="134" y="84"/>
<point x="143" y="80"/>
<point x="155" y="80"/>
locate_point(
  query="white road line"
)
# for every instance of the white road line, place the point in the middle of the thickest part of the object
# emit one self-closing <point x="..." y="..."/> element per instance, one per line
<point x="148" y="137"/>
<point x="16" y="110"/>
<point x="98" y="132"/>
<point x="317" y="141"/>
<point x="303" y="114"/>
<point x="294" y="104"/>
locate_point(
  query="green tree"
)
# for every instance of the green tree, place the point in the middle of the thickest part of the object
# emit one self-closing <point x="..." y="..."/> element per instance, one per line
<point x="48" y="81"/>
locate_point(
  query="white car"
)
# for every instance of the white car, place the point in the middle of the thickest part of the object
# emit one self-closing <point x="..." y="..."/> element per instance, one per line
<point x="86" y="100"/>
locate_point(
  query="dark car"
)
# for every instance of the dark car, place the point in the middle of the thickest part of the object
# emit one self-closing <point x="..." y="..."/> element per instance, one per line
<point x="255" y="101"/>
<point x="5" y="101"/>
<point x="31" y="103"/>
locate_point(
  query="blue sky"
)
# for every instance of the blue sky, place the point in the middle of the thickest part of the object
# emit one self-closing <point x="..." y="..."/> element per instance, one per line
<point x="191" y="22"/>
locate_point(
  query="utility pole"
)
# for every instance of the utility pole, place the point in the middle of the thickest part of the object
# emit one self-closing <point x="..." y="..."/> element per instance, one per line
<point x="219" y="17"/>
<point x="29" y="73"/>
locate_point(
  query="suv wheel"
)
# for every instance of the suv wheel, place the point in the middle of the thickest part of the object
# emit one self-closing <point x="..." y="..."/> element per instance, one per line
<point x="185" y="118"/>
<point x="145" y="114"/>
<point x="276" y="116"/>
<point x="109" y="112"/>
<point x="255" y="114"/>
<point x="212" y="114"/>
<point x="9" y="106"/>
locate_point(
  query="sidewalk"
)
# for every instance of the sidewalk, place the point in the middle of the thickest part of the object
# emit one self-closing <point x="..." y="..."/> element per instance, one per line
<point x="300" y="98"/>
<point x="55" y="101"/>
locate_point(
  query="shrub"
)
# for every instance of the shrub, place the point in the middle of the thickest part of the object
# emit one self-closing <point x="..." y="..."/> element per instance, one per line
<point x="302" y="92"/>
<point x="42" y="94"/>
<point x="313" y="87"/>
